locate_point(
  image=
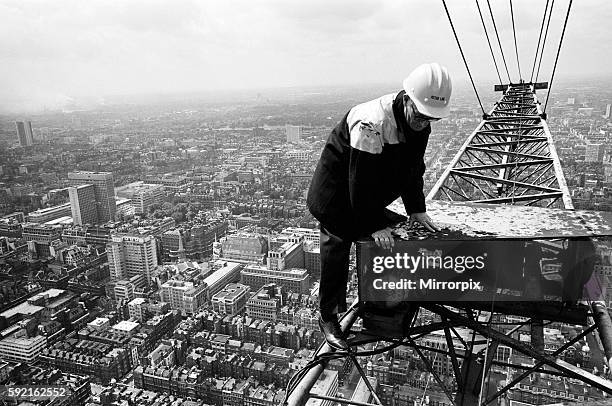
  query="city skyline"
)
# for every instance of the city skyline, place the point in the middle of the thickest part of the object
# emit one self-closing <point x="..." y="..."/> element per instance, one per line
<point x="58" y="52"/>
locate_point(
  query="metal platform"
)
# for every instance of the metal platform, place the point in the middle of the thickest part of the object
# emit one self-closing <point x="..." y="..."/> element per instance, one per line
<point x="469" y="220"/>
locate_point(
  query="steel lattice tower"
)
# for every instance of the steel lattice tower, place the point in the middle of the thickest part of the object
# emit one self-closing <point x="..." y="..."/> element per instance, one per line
<point x="509" y="159"/>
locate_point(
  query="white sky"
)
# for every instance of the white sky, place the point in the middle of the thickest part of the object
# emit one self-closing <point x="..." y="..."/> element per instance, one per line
<point x="53" y="50"/>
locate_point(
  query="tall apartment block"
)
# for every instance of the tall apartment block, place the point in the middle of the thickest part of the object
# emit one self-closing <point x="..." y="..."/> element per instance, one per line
<point x="294" y="134"/>
<point x="83" y="205"/>
<point x="594" y="152"/>
<point x="104" y="192"/>
<point x="25" y="133"/>
<point x="130" y="256"/>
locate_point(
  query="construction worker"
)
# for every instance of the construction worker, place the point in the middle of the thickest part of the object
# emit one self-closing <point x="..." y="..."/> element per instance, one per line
<point x="372" y="157"/>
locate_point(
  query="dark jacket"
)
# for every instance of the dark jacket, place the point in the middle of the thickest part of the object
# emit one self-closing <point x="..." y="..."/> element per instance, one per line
<point x="370" y="159"/>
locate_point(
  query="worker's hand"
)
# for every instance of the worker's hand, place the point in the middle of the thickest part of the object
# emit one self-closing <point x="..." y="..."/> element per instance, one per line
<point x="424" y="219"/>
<point x="384" y="238"/>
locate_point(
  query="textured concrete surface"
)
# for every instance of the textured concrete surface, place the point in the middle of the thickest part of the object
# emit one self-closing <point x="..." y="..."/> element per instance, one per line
<point x="459" y="220"/>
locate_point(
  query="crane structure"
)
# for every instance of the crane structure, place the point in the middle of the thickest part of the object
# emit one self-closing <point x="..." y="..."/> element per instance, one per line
<point x="509" y="159"/>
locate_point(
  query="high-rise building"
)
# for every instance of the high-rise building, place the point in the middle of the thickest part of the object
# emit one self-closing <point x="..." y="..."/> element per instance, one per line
<point x="25" y="133"/>
<point x="104" y="191"/>
<point x="83" y="205"/>
<point x="294" y="133"/>
<point x="130" y="255"/>
<point x="594" y="153"/>
<point x="608" y="110"/>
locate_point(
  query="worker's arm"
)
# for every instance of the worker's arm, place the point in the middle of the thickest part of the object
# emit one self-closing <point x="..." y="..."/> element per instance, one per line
<point x="414" y="200"/>
<point x="412" y="195"/>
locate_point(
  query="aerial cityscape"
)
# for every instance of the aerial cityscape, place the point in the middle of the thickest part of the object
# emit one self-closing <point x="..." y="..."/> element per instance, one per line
<point x="164" y="251"/>
<point x="187" y="187"/>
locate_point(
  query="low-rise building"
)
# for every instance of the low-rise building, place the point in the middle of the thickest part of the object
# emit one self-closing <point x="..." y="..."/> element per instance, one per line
<point x="142" y="195"/>
<point x="185" y="297"/>
<point x="224" y="272"/>
<point x="295" y="279"/>
<point x="50" y="213"/>
<point x="244" y="247"/>
<point x="22" y="348"/>
<point x="102" y="362"/>
<point x="265" y="303"/>
<point x="326" y="385"/>
<point x="231" y="300"/>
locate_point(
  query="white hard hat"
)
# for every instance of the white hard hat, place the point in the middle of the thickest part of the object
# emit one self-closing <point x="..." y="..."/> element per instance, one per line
<point x="429" y="87"/>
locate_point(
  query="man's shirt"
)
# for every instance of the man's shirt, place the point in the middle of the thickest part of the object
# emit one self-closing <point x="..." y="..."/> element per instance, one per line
<point x="371" y="158"/>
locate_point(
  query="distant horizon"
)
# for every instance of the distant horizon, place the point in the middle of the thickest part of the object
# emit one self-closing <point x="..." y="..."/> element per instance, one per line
<point x="55" y="52"/>
<point x="274" y="93"/>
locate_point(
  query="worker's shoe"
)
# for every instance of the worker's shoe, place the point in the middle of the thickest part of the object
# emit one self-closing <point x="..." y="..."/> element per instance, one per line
<point x="333" y="334"/>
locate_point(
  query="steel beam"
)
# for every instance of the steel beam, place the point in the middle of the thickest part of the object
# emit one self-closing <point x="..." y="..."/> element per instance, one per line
<point x="300" y="394"/>
<point x="542" y="359"/>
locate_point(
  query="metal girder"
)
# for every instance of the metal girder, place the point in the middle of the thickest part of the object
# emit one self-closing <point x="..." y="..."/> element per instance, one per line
<point x="550" y="360"/>
<point x="431" y="369"/>
<point x="453" y="357"/>
<point x="509" y="159"/>
<point x="299" y="396"/>
<point x="537" y="85"/>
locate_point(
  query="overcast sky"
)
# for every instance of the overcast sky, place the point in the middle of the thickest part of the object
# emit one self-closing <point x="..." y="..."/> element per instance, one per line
<point x="51" y="51"/>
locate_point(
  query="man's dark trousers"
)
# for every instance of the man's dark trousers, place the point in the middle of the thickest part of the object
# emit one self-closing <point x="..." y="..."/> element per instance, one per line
<point x="335" y="253"/>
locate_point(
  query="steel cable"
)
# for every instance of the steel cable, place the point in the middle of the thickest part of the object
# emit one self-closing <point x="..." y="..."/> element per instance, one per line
<point x="552" y="5"/>
<point x="498" y="41"/>
<point x="515" y="44"/>
<point x="489" y="42"/>
<point x="569" y="7"/>
<point x="535" y="59"/>
<point x="463" y="56"/>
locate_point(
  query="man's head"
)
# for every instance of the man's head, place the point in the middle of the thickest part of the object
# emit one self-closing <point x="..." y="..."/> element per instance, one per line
<point x="428" y="92"/>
